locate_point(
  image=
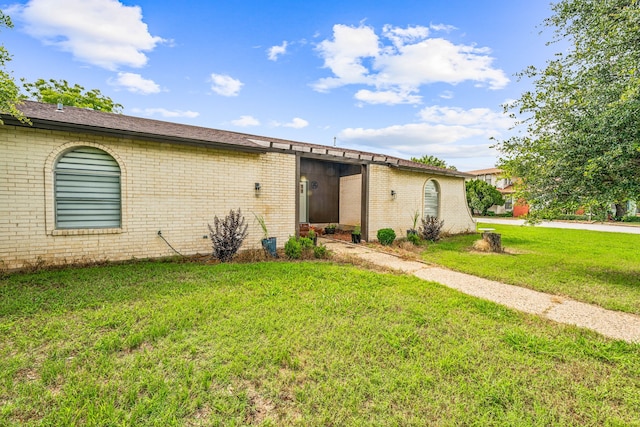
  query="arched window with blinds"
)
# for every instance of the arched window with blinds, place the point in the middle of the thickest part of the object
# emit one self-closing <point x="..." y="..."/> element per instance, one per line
<point x="87" y="189"/>
<point x="431" y="199"/>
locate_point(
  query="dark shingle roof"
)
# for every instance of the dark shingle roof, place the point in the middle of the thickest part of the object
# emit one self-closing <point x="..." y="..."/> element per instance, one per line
<point x="71" y="119"/>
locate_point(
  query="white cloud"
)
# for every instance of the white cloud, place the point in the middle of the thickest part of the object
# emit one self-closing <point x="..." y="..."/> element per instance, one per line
<point x="136" y="83"/>
<point x="454" y="132"/>
<point x="246" y="121"/>
<point x="274" y="51"/>
<point x="474" y="117"/>
<point x="296" y="123"/>
<point x="105" y="33"/>
<point x="442" y="27"/>
<point x="401" y="61"/>
<point x="388" y="97"/>
<point x="162" y="112"/>
<point x="447" y="94"/>
<point x="225" y="85"/>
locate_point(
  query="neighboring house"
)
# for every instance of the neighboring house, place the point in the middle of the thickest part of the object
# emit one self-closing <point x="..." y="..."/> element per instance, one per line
<point x="504" y="185"/>
<point x="79" y="185"/>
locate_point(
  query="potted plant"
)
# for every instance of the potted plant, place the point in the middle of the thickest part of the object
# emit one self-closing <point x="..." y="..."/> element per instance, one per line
<point x="414" y="219"/>
<point x="330" y="229"/>
<point x="268" y="243"/>
<point x="355" y="234"/>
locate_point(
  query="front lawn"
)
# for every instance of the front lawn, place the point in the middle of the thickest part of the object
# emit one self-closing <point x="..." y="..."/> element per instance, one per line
<point x="589" y="266"/>
<point x="292" y="344"/>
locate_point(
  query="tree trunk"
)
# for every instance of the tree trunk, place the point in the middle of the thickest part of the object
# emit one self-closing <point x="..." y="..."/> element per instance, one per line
<point x="621" y="210"/>
<point x="494" y="240"/>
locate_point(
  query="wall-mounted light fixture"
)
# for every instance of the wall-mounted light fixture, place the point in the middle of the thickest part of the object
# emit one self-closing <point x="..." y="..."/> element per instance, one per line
<point x="393" y="194"/>
<point x="257" y="188"/>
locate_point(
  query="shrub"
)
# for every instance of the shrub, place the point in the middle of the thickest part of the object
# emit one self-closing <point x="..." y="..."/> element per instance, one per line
<point x="227" y="235"/>
<point x="430" y="228"/>
<point x="631" y="219"/>
<point x="386" y="236"/>
<point x="306" y="243"/>
<point x="303" y="248"/>
<point x="320" y="251"/>
<point x="413" y="238"/>
<point x="293" y="248"/>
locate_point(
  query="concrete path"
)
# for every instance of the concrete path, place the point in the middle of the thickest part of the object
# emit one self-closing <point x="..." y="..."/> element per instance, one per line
<point x="613" y="324"/>
<point x="596" y="226"/>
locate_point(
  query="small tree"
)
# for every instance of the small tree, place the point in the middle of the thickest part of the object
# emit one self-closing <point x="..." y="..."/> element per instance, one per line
<point x="54" y="91"/>
<point x="9" y="91"/>
<point x="227" y="235"/>
<point x="433" y="161"/>
<point x="481" y="196"/>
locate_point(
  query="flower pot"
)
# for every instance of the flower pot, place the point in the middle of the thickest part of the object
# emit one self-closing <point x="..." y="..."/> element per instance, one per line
<point x="356" y="238"/>
<point x="269" y="245"/>
<point x="329" y="230"/>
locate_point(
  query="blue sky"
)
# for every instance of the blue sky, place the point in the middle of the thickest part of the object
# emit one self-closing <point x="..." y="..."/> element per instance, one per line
<point x="402" y="77"/>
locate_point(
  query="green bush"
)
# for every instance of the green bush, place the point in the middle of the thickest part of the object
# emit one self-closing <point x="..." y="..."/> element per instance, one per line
<point x="320" y="251"/>
<point x="413" y="238"/>
<point x="293" y="248"/>
<point x="303" y="248"/>
<point x="631" y="219"/>
<point x="305" y="243"/>
<point x="386" y="236"/>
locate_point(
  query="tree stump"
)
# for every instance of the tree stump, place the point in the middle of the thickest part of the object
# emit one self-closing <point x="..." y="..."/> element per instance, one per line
<point x="494" y="240"/>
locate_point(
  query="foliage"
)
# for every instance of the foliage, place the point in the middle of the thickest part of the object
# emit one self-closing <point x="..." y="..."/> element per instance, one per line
<point x="386" y="236"/>
<point x="481" y="196"/>
<point x="357" y="229"/>
<point x="263" y="225"/>
<point x="414" y="238"/>
<point x="299" y="247"/>
<point x="593" y="267"/>
<point x="59" y="91"/>
<point x="581" y="142"/>
<point x="9" y="91"/>
<point x="293" y="248"/>
<point x="331" y="226"/>
<point x="630" y="219"/>
<point x="312" y="234"/>
<point x="227" y="235"/>
<point x="320" y="251"/>
<point x="431" y="228"/>
<point x="433" y="161"/>
<point x="290" y="344"/>
<point x="414" y="219"/>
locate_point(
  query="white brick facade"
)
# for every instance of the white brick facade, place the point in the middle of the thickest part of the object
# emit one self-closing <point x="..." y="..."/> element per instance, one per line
<point x="386" y="211"/>
<point x="178" y="189"/>
<point x="173" y="188"/>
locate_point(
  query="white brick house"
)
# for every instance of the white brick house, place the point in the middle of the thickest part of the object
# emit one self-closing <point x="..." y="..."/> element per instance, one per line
<point x="81" y="185"/>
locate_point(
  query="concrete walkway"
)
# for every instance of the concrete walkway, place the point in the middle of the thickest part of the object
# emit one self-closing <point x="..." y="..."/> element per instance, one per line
<point x="613" y="324"/>
<point x="615" y="227"/>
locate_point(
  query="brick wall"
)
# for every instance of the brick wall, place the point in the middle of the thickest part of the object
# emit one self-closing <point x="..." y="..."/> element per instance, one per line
<point x="350" y="199"/>
<point x="167" y="187"/>
<point x="387" y="212"/>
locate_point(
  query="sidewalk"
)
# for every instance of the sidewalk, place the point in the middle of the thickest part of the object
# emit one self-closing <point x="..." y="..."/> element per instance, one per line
<point x="612" y="324"/>
<point x="616" y="227"/>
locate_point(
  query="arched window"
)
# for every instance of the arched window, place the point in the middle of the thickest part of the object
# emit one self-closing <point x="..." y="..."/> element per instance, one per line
<point x="87" y="189"/>
<point x="431" y="199"/>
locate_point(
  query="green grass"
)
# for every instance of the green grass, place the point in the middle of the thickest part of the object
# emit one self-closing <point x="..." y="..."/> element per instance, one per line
<point x="292" y="344"/>
<point x="594" y="267"/>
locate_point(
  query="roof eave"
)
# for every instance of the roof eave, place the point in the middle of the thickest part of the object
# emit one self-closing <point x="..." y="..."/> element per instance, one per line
<point x="45" y="124"/>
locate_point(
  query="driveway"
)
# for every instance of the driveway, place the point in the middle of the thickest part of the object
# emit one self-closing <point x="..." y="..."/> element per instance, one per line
<point x="607" y="227"/>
